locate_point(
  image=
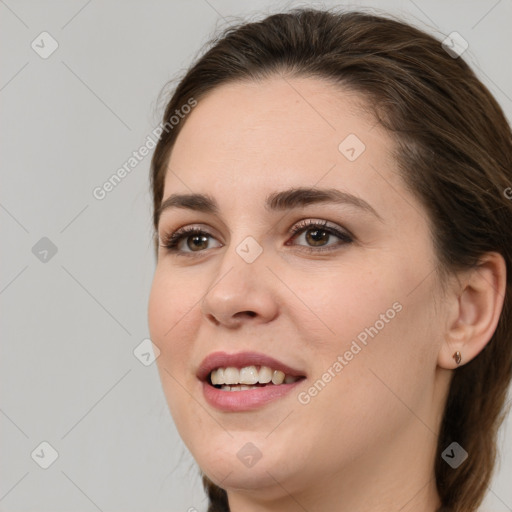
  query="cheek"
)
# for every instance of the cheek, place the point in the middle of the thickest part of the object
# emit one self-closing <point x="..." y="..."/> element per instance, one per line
<point x="169" y="317"/>
<point x="170" y="301"/>
<point x="372" y="396"/>
<point x="380" y="329"/>
<point x="349" y="300"/>
<point x="172" y="319"/>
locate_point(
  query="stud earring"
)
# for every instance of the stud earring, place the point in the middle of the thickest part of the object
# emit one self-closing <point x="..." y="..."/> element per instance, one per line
<point x="458" y="357"/>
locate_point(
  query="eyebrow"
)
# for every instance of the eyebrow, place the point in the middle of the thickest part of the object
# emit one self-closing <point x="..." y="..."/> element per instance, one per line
<point x="277" y="201"/>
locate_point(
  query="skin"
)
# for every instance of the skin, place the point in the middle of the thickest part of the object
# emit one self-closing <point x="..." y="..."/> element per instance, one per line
<point x="367" y="441"/>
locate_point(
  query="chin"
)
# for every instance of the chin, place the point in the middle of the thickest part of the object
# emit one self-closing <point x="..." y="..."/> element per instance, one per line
<point x="244" y="479"/>
<point x="240" y="464"/>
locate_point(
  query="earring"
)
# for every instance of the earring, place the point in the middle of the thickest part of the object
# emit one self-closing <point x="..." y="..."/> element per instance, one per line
<point x="457" y="356"/>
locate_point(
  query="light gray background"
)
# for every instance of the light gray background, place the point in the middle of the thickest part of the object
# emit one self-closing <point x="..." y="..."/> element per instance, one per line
<point x="70" y="325"/>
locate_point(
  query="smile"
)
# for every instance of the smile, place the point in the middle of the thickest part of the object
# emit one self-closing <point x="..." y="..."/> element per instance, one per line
<point x="256" y="378"/>
<point x="248" y="377"/>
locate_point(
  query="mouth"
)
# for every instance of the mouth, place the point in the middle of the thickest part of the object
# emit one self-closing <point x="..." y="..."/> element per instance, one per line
<point x="244" y="381"/>
<point x="248" y="377"/>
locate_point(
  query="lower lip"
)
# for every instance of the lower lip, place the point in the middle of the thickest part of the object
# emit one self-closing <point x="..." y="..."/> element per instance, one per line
<point x="245" y="400"/>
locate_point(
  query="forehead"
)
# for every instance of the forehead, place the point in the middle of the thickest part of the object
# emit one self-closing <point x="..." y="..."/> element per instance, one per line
<point x="249" y="139"/>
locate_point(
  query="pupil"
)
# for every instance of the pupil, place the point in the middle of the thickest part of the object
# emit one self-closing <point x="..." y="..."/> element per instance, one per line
<point x="317" y="240"/>
<point x="202" y="239"/>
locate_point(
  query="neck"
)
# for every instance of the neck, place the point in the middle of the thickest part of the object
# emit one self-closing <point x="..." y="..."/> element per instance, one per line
<point x="410" y="498"/>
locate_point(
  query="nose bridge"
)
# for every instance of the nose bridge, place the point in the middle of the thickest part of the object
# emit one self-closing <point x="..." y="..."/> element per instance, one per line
<point x="245" y="251"/>
<point x="241" y="266"/>
<point x="240" y="285"/>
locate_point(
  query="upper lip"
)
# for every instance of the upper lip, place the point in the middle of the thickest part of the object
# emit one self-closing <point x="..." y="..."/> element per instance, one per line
<point x="240" y="360"/>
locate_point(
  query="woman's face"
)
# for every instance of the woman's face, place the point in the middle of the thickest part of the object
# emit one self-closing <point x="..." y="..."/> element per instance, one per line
<point x="350" y="315"/>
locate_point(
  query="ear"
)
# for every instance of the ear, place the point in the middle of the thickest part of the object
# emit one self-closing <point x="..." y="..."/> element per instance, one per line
<point x="476" y="307"/>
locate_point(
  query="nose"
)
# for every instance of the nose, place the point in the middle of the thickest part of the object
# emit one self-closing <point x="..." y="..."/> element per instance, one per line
<point x="241" y="292"/>
<point x="230" y="320"/>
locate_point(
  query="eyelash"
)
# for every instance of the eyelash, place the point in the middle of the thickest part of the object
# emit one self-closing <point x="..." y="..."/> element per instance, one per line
<point x="172" y="240"/>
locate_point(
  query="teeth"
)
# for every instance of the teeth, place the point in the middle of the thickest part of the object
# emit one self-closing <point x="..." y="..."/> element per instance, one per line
<point x="218" y="376"/>
<point x="231" y="376"/>
<point x="277" y="377"/>
<point x="237" y="388"/>
<point x="265" y="375"/>
<point x="247" y="376"/>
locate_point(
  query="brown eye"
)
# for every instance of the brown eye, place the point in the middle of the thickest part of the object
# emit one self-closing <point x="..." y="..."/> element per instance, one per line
<point x="196" y="241"/>
<point x="318" y="234"/>
<point x="317" y="237"/>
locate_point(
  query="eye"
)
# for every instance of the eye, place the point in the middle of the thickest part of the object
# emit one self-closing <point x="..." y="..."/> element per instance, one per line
<point x="195" y="238"/>
<point x="316" y="233"/>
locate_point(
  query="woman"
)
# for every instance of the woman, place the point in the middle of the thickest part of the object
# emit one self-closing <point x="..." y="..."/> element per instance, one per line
<point x="332" y="292"/>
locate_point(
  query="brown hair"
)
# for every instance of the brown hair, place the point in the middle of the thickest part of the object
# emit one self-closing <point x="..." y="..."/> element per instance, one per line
<point x="454" y="151"/>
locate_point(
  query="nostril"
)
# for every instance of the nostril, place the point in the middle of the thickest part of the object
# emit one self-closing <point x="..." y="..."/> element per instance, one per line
<point x="248" y="313"/>
<point x="213" y="319"/>
<point x="229" y="319"/>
